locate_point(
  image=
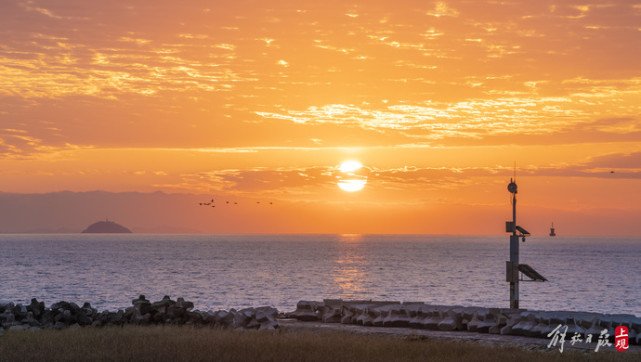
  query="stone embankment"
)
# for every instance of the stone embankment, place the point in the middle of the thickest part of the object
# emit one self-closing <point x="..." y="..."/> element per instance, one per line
<point x="503" y="321"/>
<point x="60" y="315"/>
<point x="519" y="322"/>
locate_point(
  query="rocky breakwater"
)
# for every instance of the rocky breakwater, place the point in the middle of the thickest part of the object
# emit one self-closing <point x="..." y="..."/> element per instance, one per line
<point x="36" y="315"/>
<point x="505" y="321"/>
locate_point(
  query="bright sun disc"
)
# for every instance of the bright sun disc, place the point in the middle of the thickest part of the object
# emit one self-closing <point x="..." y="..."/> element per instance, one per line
<point x="350" y="166"/>
<point x="350" y="180"/>
<point x="351" y="185"/>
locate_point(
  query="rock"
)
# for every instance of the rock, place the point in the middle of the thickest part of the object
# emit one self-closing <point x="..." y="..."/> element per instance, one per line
<point x="142" y="305"/>
<point x="129" y="312"/>
<point x="30" y="320"/>
<point x="378" y="321"/>
<point x="368" y="318"/>
<point x="269" y="325"/>
<point x="306" y="311"/>
<point x="195" y="318"/>
<point x="68" y="317"/>
<point x="264" y="314"/>
<point x="181" y="303"/>
<point x="506" y="330"/>
<point x="47" y="317"/>
<point x="241" y="319"/>
<point x="84" y="319"/>
<point x="5" y="306"/>
<point x="73" y="307"/>
<point x="20" y="327"/>
<point x="224" y="318"/>
<point x="253" y="324"/>
<point x="161" y="306"/>
<point x="8" y="325"/>
<point x="541" y="329"/>
<point x="473" y="323"/>
<point x="397" y="317"/>
<point x="19" y="312"/>
<point x="346" y="316"/>
<point x="117" y="318"/>
<point x="451" y="322"/>
<point x="138" y="318"/>
<point x="37" y="308"/>
<point x="331" y="311"/>
<point x="573" y="327"/>
<point x="7" y="316"/>
<point x="209" y="318"/>
<point x="594" y="329"/>
<point x="524" y="324"/>
<point x="432" y="320"/>
<point x="487" y="320"/>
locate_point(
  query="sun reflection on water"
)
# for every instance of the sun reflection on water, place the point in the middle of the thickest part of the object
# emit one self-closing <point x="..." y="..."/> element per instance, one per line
<point x="349" y="272"/>
<point x="350" y="237"/>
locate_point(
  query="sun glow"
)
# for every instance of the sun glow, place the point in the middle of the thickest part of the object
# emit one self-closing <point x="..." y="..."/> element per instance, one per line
<point x="351" y="185"/>
<point x="349" y="180"/>
<point x="350" y="166"/>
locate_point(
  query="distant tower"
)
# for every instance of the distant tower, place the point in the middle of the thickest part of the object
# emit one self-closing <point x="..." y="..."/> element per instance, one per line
<point x="552" y="233"/>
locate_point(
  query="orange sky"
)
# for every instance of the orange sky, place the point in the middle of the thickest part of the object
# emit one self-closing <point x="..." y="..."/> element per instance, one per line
<point x="265" y="99"/>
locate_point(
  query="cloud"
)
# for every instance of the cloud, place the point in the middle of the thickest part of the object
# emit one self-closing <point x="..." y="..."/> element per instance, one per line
<point x="623" y="125"/>
<point x="474" y="118"/>
<point x="18" y="144"/>
<point x="442" y="9"/>
<point x="29" y="6"/>
<point x="626" y="162"/>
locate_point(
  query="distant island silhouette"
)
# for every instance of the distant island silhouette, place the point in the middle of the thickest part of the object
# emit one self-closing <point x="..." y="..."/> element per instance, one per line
<point x="105" y="227"/>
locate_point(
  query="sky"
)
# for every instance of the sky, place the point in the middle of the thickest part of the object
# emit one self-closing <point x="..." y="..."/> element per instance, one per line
<point x="264" y="100"/>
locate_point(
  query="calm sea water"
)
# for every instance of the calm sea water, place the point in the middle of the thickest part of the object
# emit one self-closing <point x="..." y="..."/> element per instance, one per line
<point x="235" y="271"/>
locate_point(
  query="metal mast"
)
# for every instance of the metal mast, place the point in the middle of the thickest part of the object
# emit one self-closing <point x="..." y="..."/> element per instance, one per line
<point x="513" y="264"/>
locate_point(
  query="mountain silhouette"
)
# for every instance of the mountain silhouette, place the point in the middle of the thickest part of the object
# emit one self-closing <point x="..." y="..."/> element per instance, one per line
<point x="106" y="227"/>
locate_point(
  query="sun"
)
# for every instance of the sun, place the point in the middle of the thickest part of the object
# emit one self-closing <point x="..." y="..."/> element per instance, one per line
<point x="350" y="166"/>
<point x="349" y="179"/>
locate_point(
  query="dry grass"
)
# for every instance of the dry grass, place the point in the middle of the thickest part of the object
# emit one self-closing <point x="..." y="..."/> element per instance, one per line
<point x="175" y="343"/>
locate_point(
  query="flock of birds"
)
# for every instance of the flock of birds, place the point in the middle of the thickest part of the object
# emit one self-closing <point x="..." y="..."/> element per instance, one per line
<point x="211" y="203"/>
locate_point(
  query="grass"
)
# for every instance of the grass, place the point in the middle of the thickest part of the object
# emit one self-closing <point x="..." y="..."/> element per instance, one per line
<point x="183" y="343"/>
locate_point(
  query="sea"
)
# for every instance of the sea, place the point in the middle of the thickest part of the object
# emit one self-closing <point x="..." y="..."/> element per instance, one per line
<point x="593" y="274"/>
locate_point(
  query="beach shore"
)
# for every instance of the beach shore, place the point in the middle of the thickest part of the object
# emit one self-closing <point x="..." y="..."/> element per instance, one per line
<point x="293" y="341"/>
<point x="493" y="340"/>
